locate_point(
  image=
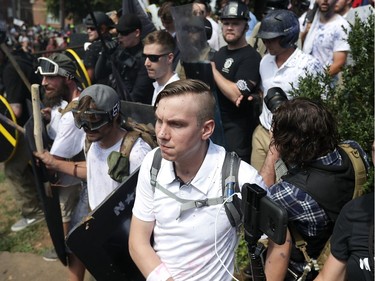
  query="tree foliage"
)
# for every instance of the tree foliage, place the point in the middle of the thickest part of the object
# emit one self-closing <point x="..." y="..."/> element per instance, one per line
<point x="79" y="9"/>
<point x="352" y="99"/>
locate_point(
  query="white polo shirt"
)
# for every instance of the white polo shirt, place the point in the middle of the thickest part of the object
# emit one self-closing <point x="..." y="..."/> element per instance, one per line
<point x="186" y="243"/>
<point x="297" y="65"/>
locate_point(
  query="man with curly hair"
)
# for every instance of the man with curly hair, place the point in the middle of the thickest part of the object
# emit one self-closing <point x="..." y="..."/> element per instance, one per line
<point x="320" y="180"/>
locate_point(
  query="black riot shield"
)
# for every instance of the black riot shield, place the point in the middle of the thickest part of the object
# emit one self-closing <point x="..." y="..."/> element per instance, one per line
<point x="195" y="55"/>
<point x="51" y="204"/>
<point x="101" y="241"/>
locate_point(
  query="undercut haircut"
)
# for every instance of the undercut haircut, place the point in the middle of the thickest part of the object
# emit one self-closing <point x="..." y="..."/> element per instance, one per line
<point x="200" y="90"/>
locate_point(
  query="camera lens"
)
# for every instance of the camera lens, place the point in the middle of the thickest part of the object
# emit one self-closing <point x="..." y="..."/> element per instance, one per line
<point x="275" y="96"/>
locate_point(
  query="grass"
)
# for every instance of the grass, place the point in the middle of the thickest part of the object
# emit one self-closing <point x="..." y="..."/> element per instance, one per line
<point x="34" y="239"/>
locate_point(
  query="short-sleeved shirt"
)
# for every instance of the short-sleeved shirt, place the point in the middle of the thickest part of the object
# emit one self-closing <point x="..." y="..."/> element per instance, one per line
<point x="330" y="37"/>
<point x="68" y="143"/>
<point x="185" y="243"/>
<point x="239" y="66"/>
<point x="99" y="182"/>
<point x="350" y="238"/>
<point x="296" y="67"/>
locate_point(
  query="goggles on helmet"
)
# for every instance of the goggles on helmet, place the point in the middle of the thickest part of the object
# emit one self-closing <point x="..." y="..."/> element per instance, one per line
<point x="48" y="67"/>
<point x="90" y="119"/>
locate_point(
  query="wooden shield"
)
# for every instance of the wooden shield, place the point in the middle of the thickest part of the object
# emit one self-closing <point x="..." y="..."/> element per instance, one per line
<point x="101" y="241"/>
<point x="8" y="135"/>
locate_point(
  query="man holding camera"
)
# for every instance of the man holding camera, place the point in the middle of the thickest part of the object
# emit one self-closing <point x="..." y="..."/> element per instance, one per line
<point x="284" y="65"/>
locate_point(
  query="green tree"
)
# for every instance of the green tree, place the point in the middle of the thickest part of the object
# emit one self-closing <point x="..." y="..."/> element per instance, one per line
<point x="78" y="9"/>
<point x="352" y="99"/>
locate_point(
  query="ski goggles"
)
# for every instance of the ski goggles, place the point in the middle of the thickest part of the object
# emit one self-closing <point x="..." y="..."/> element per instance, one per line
<point x="90" y="119"/>
<point x="48" y="67"/>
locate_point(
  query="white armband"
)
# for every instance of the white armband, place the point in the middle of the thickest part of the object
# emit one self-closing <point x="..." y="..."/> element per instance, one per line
<point x="160" y="273"/>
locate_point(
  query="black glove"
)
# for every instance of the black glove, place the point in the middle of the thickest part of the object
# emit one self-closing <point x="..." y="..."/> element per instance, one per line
<point x="110" y="47"/>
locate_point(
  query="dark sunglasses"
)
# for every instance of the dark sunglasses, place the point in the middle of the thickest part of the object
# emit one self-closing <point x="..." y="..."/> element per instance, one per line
<point x="154" y="58"/>
<point x="126" y="33"/>
<point x="91" y="28"/>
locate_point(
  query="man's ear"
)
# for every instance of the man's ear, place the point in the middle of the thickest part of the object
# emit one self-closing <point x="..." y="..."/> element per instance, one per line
<point x="170" y="57"/>
<point x="208" y="129"/>
<point x="138" y="32"/>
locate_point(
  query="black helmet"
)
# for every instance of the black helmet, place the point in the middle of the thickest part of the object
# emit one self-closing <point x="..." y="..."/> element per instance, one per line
<point x="280" y="23"/>
<point x="278" y="4"/>
<point x="272" y="5"/>
<point x="235" y="10"/>
<point x="101" y="18"/>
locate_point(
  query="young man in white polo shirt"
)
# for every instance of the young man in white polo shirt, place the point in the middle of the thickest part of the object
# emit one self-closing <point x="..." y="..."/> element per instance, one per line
<point x="184" y="243"/>
<point x="158" y="52"/>
<point x="281" y="67"/>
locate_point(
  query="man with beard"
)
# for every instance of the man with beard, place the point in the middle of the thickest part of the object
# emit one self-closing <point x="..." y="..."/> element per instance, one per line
<point x="17" y="168"/>
<point x="326" y="39"/>
<point x="236" y="73"/>
<point x="60" y="82"/>
<point x="98" y="113"/>
<point x="158" y="51"/>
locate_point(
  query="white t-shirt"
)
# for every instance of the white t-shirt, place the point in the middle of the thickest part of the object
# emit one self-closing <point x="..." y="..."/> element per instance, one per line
<point x="53" y="124"/>
<point x="328" y="38"/>
<point x="158" y="88"/>
<point x="68" y="143"/>
<point x="99" y="183"/>
<point x="297" y="65"/>
<point x="186" y="243"/>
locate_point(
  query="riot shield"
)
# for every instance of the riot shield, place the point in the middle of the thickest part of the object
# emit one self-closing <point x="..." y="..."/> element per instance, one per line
<point x="8" y="134"/>
<point x="81" y="69"/>
<point x="195" y="55"/>
<point x="101" y="241"/>
<point x="190" y="33"/>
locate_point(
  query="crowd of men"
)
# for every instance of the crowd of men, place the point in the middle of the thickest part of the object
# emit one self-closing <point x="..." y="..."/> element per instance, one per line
<point x="215" y="87"/>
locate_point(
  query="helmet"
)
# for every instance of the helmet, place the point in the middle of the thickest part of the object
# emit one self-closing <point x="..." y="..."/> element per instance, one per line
<point x="101" y="18"/>
<point x="280" y="23"/>
<point x="235" y="10"/>
<point x="278" y="4"/>
<point x="272" y="5"/>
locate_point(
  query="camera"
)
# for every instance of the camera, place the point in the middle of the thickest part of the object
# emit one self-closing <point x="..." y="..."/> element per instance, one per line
<point x="275" y="96"/>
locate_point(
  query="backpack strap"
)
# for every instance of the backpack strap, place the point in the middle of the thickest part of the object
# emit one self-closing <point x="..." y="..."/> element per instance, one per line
<point x="358" y="166"/>
<point x="229" y="185"/>
<point x="155" y="167"/>
<point x="360" y="179"/>
<point x="128" y="142"/>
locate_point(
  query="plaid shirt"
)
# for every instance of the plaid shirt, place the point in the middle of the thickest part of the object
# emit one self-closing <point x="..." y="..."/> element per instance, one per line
<point x="309" y="217"/>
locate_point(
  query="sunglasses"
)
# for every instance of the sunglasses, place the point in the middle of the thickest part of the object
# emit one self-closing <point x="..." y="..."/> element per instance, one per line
<point x="48" y="67"/>
<point x="126" y="33"/>
<point x="90" y="119"/>
<point x="154" y="58"/>
<point x="91" y="28"/>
